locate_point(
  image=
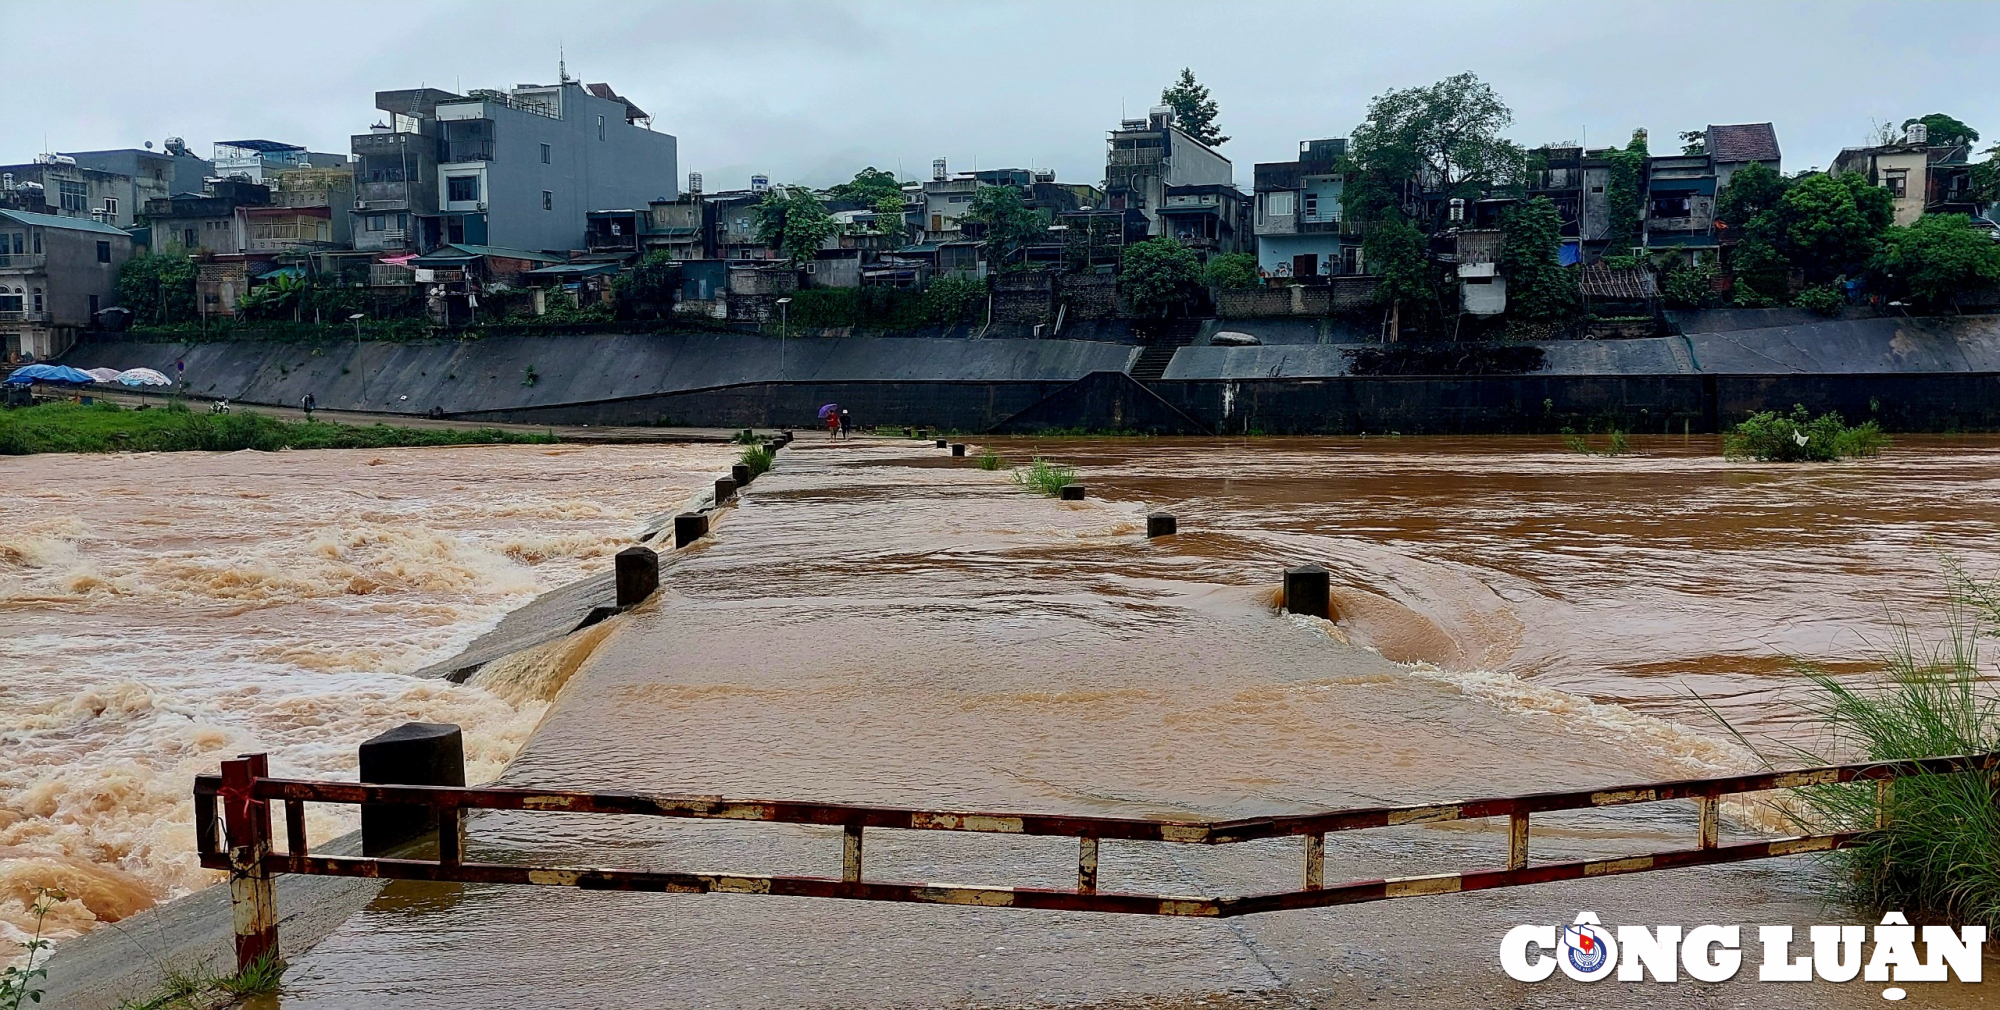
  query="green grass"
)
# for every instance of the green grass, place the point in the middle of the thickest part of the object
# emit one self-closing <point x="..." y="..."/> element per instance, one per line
<point x="989" y="459"/>
<point x="108" y="427"/>
<point x="1045" y="477"/>
<point x="1798" y="437"/>
<point x="201" y="989"/>
<point x="1937" y="853"/>
<point x="758" y="459"/>
<point x="1616" y="444"/>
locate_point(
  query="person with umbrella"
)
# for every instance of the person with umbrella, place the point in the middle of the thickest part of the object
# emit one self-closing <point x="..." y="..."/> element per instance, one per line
<point x="829" y="415"/>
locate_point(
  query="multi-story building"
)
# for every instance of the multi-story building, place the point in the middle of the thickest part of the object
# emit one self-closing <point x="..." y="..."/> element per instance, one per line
<point x="1145" y="156"/>
<point x="1211" y="219"/>
<point x="182" y="171"/>
<point x="395" y="174"/>
<point x="1298" y="218"/>
<point x="59" y="185"/>
<point x="251" y="160"/>
<point x="1924" y="178"/>
<point x="55" y="274"/>
<point x="204" y="222"/>
<point x="1733" y="146"/>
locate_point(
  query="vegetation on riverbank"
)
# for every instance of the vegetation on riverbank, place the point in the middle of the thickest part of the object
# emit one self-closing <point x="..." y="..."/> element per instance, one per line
<point x="1045" y="477"/>
<point x="202" y="989"/>
<point x="758" y="459"/>
<point x="108" y="427"/>
<point x="1798" y="437"/>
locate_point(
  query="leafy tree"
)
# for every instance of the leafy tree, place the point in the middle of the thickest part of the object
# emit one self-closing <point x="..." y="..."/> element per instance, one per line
<point x="1934" y="259"/>
<point x="1827" y="225"/>
<point x="1539" y="288"/>
<point x="889" y="216"/>
<point x="1621" y="195"/>
<point x="1446" y="134"/>
<point x="1690" y="286"/>
<point x="1009" y="224"/>
<point x="1943" y="130"/>
<point x="1231" y="270"/>
<point x="792" y="219"/>
<point x="1761" y="273"/>
<point x="1394" y="251"/>
<point x="1194" y="111"/>
<point x="1752" y="190"/>
<point x="283" y="295"/>
<point x="948" y="299"/>
<point x="1158" y="274"/>
<point x="1986" y="178"/>
<point x="159" y="287"/>
<point x="1694" y="143"/>
<point x="868" y="186"/>
<point x="651" y="285"/>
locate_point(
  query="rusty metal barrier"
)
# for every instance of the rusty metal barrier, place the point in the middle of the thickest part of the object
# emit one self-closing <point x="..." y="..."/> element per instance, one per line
<point x="243" y="845"/>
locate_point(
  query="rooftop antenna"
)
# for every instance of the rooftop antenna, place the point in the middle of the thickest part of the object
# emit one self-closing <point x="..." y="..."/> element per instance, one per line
<point x="562" y="65"/>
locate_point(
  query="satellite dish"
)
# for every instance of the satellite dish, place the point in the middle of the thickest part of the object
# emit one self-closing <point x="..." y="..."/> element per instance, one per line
<point x="149" y="145"/>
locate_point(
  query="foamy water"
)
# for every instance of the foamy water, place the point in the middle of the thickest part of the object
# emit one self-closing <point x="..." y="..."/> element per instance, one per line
<point x="161" y="612"/>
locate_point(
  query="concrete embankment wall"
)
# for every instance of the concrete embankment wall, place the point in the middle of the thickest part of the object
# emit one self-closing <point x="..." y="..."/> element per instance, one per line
<point x="1910" y="374"/>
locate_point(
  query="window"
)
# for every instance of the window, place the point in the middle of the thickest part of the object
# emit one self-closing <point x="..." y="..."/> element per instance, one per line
<point x="190" y="238"/>
<point x="403" y="221"/>
<point x="1279" y="204"/>
<point x="600" y="127"/>
<point x="374" y="222"/>
<point x="548" y="200"/>
<point x="38" y="241"/>
<point x="103" y="253"/>
<point x="73" y="196"/>
<point x="1677" y="205"/>
<point x="111" y="206"/>
<point x="1897" y="183"/>
<point x="462" y="189"/>
<point x="19" y="246"/>
<point x="10" y="303"/>
<point x="1311" y="200"/>
<point x="38" y="299"/>
<point x="545" y="148"/>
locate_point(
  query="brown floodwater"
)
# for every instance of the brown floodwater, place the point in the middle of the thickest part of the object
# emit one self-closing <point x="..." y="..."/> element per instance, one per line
<point x="159" y="612"/>
<point x="876" y="624"/>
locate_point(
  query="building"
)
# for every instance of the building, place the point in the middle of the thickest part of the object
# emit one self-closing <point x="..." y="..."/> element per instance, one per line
<point x="395" y="174"/>
<point x="734" y="216"/>
<point x="1145" y="156"/>
<point x="309" y="211"/>
<point x="55" y="275"/>
<point x="1678" y="210"/>
<point x="59" y="186"/>
<point x="182" y="170"/>
<point x="455" y="277"/>
<point x="1210" y="219"/>
<point x="1731" y="147"/>
<point x="1297" y="215"/>
<point x="204" y="222"/>
<point x="251" y="160"/>
<point x="1924" y="178"/>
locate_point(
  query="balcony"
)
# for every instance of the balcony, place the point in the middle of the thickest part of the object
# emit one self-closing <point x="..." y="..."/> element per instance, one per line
<point x="23" y="261"/>
<point x="468" y="150"/>
<point x="22" y="316"/>
<point x="1325" y="226"/>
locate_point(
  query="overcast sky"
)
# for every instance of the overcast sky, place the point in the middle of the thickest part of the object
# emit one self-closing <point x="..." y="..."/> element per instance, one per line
<point x="811" y="92"/>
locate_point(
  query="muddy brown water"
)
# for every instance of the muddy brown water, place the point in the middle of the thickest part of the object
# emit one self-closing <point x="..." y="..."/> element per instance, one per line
<point x="875" y="624"/>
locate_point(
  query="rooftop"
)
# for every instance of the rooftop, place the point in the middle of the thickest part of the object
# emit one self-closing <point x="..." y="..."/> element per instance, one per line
<point x="1743" y="142"/>
<point x="33" y="220"/>
<point x="261" y="146"/>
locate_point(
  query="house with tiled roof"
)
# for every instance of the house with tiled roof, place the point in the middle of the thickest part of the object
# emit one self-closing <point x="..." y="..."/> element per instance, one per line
<point x="56" y="273"/>
<point x="1731" y="147"/>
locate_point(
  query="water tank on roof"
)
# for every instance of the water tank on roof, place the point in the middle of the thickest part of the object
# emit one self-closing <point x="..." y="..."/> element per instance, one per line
<point x="1919" y="133"/>
<point x="694" y="182"/>
<point x="938" y="169"/>
<point x="1045" y="175"/>
<point x="759" y="183"/>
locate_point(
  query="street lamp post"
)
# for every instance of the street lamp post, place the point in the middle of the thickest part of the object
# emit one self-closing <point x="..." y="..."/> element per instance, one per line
<point x="784" y="331"/>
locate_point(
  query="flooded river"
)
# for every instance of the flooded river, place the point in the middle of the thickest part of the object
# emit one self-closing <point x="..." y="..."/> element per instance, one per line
<point x="879" y="624"/>
<point x="160" y="612"/>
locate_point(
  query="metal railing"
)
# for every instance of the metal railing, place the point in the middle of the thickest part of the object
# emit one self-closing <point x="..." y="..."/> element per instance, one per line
<point x="242" y="841"/>
<point x="23" y="261"/>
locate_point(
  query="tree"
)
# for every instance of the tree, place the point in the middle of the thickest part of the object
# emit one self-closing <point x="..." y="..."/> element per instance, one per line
<point x="650" y="286"/>
<point x="1445" y="136"/>
<point x="1231" y="270"/>
<point x="1934" y="259"/>
<point x="1009" y="225"/>
<point x="1942" y="130"/>
<point x="1539" y="288"/>
<point x="1986" y="178"/>
<point x="1694" y="143"/>
<point x="1194" y="111"/>
<point x="792" y="219"/>
<point x="889" y="216"/>
<point x="1158" y="274"/>
<point x="1621" y="196"/>
<point x="1760" y="271"/>
<point x="868" y="186"/>
<point x="159" y="287"/>
<point x="1394" y="251"/>
<point x="1827" y="225"/>
<point x="1752" y="190"/>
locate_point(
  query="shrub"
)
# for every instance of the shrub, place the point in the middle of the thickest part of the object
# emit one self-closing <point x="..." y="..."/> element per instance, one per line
<point x="1690" y="287"/>
<point x="989" y="459"/>
<point x="948" y="299"/>
<point x="758" y="459"/>
<point x="1045" y="477"/>
<point x="1616" y="444"/>
<point x="1825" y="300"/>
<point x="1771" y="437"/>
<point x="1231" y="270"/>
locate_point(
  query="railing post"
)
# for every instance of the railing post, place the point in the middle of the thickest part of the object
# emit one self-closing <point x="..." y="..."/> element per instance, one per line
<point x="1885" y="797"/>
<point x="1711" y="821"/>
<point x="1517" y="840"/>
<point x="413" y="754"/>
<point x="246" y="825"/>
<point x="850" y="853"/>
<point x="1086" y="865"/>
<point x="1315" y="860"/>
<point x="637" y="575"/>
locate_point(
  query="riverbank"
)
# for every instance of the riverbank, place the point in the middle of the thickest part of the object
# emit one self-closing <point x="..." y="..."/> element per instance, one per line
<point x="173" y="427"/>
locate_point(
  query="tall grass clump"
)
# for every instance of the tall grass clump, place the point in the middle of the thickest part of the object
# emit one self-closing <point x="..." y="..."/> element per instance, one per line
<point x="1616" y="444"/>
<point x="1045" y="477"/>
<point x="1931" y="842"/>
<point x="108" y="427"/>
<point x="989" y="459"/>
<point x="1798" y="437"/>
<point x="758" y="459"/>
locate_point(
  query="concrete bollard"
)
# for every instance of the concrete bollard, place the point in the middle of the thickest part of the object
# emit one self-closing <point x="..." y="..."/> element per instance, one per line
<point x="958" y="448"/>
<point x="941" y="443"/>
<point x="740" y="473"/>
<point x="1161" y="524"/>
<point x="413" y="754"/>
<point x="1308" y="590"/>
<point x="689" y="527"/>
<point x="638" y="573"/>
<point x="1072" y="492"/>
<point x="725" y="489"/>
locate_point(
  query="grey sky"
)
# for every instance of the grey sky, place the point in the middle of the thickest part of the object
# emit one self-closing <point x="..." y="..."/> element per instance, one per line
<point x="810" y="92"/>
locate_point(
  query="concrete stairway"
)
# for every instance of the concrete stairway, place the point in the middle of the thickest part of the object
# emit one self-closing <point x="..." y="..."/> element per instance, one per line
<point x="1174" y="335"/>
